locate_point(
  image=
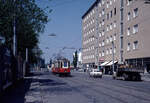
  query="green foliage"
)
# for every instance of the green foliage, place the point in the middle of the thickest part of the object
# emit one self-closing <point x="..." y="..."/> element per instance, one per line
<point x="75" y="59"/>
<point x="30" y="21"/>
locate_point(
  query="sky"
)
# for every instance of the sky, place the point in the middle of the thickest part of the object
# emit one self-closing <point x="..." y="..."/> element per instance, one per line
<point x="66" y="23"/>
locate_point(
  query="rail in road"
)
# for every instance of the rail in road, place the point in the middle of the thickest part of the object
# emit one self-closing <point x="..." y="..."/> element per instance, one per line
<point x="135" y="85"/>
<point x="120" y="93"/>
<point x="80" y="88"/>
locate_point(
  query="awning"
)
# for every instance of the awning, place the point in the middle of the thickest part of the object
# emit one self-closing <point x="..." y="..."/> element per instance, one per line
<point x="111" y="63"/>
<point x="103" y="64"/>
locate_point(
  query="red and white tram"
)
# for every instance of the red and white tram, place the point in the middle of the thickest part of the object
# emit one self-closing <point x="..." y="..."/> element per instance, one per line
<point x="61" y="67"/>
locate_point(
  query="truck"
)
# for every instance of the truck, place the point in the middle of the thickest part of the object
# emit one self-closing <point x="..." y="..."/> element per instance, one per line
<point x="128" y="72"/>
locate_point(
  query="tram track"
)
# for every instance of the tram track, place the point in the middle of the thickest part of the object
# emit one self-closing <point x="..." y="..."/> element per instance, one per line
<point x="110" y="89"/>
<point x="93" y="90"/>
<point x="117" y="85"/>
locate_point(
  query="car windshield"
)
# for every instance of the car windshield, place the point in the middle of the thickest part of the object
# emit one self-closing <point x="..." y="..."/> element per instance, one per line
<point x="96" y="70"/>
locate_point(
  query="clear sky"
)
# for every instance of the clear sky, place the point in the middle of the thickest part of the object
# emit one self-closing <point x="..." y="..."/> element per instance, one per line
<point x="66" y="24"/>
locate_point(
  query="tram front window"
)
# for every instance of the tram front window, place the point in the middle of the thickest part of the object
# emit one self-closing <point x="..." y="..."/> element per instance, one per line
<point x="65" y="64"/>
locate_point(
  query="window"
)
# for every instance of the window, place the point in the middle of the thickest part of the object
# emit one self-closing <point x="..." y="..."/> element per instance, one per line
<point x="115" y="24"/>
<point x="100" y="34"/>
<point x="128" y="31"/>
<point x="107" y="40"/>
<point x="103" y="53"/>
<point x="111" y="26"/>
<point x="103" y="22"/>
<point x="100" y="45"/>
<point x="100" y="24"/>
<point x="135" y="29"/>
<point x="111" y="14"/>
<point x="129" y="16"/>
<point x="65" y="64"/>
<point x="135" y="13"/>
<point x="115" y="11"/>
<point x="103" y="32"/>
<point x="103" y="43"/>
<point x="100" y="4"/>
<point x="100" y="54"/>
<point x="114" y="37"/>
<point x="110" y="39"/>
<point x="129" y="2"/>
<point x="93" y="29"/>
<point x="103" y="2"/>
<point x="108" y="16"/>
<point x="107" y="4"/>
<point x="110" y="2"/>
<point x="110" y="50"/>
<point x="100" y="15"/>
<point x="128" y="47"/>
<point x="93" y="11"/>
<point x="107" y="28"/>
<point x="135" y="45"/>
<point x="103" y="12"/>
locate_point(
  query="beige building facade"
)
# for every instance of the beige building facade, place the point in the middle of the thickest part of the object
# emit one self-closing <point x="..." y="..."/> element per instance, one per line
<point x="116" y="26"/>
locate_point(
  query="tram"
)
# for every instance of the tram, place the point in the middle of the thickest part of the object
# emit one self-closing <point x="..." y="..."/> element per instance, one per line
<point x="61" y="67"/>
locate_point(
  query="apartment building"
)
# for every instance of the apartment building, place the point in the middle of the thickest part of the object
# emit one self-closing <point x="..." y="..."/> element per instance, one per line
<point x="136" y="48"/>
<point x="118" y="27"/>
<point x="89" y="24"/>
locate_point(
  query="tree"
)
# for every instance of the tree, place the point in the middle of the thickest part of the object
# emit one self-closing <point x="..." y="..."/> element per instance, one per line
<point x="75" y="59"/>
<point x="30" y="21"/>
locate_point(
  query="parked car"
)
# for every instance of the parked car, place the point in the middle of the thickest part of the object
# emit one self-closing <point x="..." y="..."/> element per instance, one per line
<point x="95" y="73"/>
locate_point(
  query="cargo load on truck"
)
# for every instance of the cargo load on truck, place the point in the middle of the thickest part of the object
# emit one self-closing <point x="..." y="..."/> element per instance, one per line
<point x="128" y="72"/>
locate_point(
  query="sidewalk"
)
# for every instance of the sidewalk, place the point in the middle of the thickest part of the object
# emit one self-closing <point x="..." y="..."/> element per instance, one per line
<point x="26" y="91"/>
<point x="33" y="95"/>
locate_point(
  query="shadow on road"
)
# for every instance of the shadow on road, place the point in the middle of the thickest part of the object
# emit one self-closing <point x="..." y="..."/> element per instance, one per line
<point x="16" y="93"/>
<point x="28" y="87"/>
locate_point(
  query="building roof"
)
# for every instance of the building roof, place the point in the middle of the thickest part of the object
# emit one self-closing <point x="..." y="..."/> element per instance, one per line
<point x="93" y="5"/>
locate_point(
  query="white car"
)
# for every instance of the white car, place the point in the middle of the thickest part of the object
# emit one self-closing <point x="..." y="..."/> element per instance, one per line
<point x="80" y="70"/>
<point x="95" y="73"/>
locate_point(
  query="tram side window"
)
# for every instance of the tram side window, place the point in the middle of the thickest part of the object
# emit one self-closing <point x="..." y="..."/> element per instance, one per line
<point x="56" y="65"/>
<point x="61" y="64"/>
<point x="68" y="64"/>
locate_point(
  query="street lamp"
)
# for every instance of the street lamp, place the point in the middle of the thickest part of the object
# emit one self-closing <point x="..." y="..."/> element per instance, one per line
<point x="52" y="34"/>
<point x="46" y="47"/>
<point x="113" y="56"/>
<point x="14" y="31"/>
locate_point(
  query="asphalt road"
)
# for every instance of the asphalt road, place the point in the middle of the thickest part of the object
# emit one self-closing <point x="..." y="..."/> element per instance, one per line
<point x="79" y="88"/>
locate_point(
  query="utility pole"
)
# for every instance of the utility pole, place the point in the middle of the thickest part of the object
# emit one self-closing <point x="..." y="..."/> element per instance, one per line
<point x="113" y="56"/>
<point x="14" y="31"/>
<point x="97" y="43"/>
<point x="26" y="54"/>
